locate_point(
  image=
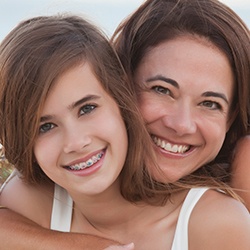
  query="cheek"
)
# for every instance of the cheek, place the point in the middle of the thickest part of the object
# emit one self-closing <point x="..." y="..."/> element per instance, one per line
<point x="115" y="134"/>
<point x="38" y="151"/>
<point x="149" y="107"/>
<point x="44" y="151"/>
<point x="214" y="134"/>
<point x="113" y="130"/>
<point x="123" y="136"/>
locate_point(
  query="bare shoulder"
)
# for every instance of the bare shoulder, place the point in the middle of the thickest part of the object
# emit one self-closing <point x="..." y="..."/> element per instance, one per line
<point x="242" y="156"/>
<point x="244" y="141"/>
<point x="219" y="222"/>
<point x="31" y="201"/>
<point x="241" y="170"/>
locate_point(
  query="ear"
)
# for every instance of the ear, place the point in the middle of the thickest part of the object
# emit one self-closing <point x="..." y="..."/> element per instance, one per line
<point x="232" y="116"/>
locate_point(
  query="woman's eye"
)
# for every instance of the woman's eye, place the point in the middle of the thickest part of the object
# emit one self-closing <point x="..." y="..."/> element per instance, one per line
<point x="46" y="127"/>
<point x="161" y="90"/>
<point x="212" y="105"/>
<point x="86" y="109"/>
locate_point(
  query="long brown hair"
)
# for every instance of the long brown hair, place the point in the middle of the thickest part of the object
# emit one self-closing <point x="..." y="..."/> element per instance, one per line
<point x="32" y="56"/>
<point x="157" y="21"/>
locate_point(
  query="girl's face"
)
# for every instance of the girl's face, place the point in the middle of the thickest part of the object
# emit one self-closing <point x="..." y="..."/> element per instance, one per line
<point x="188" y="91"/>
<point x="82" y="142"/>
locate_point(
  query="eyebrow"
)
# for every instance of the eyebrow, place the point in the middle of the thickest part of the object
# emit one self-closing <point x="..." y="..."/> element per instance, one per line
<point x="83" y="100"/>
<point x="215" y="94"/>
<point x="164" y="79"/>
<point x="72" y="106"/>
<point x="175" y="84"/>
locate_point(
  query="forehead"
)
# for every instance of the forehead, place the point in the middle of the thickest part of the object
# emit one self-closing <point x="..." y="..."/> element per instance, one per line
<point x="185" y="51"/>
<point x="73" y="84"/>
<point x="184" y="42"/>
<point x="190" y="61"/>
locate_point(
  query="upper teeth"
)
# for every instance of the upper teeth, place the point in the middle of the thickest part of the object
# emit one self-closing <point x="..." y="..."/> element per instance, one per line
<point x="87" y="163"/>
<point x="170" y="147"/>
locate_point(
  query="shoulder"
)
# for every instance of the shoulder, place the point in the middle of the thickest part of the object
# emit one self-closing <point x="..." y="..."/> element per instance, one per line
<point x="219" y="222"/>
<point x="241" y="170"/>
<point x="244" y="141"/>
<point x="241" y="153"/>
<point x="31" y="201"/>
<point x="241" y="159"/>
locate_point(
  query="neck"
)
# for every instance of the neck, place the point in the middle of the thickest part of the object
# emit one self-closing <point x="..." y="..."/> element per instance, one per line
<point x="104" y="209"/>
<point x="110" y="215"/>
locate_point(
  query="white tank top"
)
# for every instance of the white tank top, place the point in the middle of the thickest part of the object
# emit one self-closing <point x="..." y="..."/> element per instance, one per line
<point x="63" y="207"/>
<point x="180" y="241"/>
<point x="62" y="210"/>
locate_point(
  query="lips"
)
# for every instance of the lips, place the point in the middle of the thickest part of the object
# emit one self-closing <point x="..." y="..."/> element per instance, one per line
<point x="86" y="164"/>
<point x="173" y="148"/>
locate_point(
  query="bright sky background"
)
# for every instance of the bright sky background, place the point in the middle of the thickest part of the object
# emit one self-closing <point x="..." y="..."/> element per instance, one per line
<point x="105" y="13"/>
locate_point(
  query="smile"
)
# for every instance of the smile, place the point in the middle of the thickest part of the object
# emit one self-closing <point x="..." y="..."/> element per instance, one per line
<point x="88" y="163"/>
<point x="173" y="148"/>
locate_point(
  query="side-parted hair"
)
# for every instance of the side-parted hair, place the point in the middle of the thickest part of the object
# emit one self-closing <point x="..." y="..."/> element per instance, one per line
<point x="157" y="21"/>
<point x="32" y="56"/>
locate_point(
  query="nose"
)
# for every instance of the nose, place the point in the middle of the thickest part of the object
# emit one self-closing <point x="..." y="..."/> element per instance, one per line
<point x="181" y="121"/>
<point x="75" y="140"/>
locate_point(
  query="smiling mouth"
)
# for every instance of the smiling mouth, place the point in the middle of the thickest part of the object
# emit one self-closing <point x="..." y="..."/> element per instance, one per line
<point x="173" y="148"/>
<point x="86" y="164"/>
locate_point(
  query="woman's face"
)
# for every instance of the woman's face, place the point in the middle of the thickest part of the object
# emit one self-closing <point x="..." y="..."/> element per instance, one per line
<point x="82" y="141"/>
<point x="185" y="101"/>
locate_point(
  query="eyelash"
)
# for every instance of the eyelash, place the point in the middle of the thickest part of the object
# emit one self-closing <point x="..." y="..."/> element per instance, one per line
<point x="46" y="127"/>
<point x="161" y="90"/>
<point x="90" y="107"/>
<point x="43" y="128"/>
<point x="165" y="91"/>
<point x="217" y="105"/>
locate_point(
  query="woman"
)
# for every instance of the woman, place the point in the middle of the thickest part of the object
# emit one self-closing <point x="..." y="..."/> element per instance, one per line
<point x="211" y="103"/>
<point x="160" y="21"/>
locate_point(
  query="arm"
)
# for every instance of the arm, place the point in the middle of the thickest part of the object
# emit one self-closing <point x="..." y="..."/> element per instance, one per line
<point x="28" y="235"/>
<point x="241" y="170"/>
<point x="19" y="232"/>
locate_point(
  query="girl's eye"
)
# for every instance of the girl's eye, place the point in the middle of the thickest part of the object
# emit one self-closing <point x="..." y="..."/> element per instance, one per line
<point x="161" y="90"/>
<point x="46" y="127"/>
<point x="86" y="109"/>
<point x="212" y="105"/>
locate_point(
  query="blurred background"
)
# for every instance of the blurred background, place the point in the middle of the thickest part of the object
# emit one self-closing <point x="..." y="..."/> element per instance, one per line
<point x="107" y="14"/>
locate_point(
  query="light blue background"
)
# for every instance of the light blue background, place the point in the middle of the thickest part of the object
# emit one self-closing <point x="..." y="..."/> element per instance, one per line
<point x="105" y="13"/>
